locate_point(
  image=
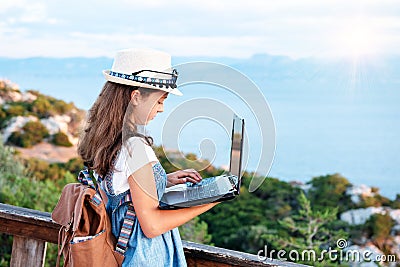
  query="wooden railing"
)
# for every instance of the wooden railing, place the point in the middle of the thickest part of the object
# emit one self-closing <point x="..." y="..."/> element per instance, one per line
<point x="32" y="230"/>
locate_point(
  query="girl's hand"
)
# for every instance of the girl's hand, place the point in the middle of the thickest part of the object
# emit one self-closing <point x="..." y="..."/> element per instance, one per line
<point x="183" y="176"/>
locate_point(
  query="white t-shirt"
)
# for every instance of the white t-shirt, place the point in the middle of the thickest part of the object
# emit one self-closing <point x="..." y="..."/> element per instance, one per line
<point x="133" y="155"/>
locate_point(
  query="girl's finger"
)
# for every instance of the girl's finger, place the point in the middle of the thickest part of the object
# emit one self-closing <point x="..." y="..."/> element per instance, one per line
<point x="192" y="180"/>
<point x="195" y="175"/>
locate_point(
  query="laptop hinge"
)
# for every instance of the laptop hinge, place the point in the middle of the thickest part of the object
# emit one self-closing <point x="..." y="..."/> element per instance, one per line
<point x="232" y="181"/>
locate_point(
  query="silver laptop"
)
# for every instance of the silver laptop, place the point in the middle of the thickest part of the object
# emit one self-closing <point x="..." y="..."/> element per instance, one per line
<point x="211" y="189"/>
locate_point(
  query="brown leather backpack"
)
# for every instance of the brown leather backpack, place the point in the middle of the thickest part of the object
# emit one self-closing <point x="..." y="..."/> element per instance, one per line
<point x="85" y="237"/>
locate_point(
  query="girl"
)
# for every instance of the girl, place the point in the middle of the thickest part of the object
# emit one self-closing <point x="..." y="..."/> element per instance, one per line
<point x="115" y="145"/>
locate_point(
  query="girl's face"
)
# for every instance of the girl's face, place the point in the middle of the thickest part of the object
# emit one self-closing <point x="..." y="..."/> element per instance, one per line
<point x="147" y="107"/>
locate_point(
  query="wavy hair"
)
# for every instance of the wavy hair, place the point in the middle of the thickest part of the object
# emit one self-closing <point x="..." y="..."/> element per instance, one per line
<point x="107" y="126"/>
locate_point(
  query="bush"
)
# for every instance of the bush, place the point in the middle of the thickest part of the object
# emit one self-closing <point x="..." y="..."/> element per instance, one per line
<point x="46" y="106"/>
<point x="37" y="168"/>
<point x="16" y="110"/>
<point x="3" y="114"/>
<point x="9" y="163"/>
<point x="329" y="191"/>
<point x="43" y="170"/>
<point x="33" y="133"/>
<point x="195" y="231"/>
<point x="74" y="165"/>
<point x="396" y="203"/>
<point x="61" y="107"/>
<point x="36" y="128"/>
<point x="61" y="139"/>
<point x="19" y="188"/>
<point x="42" y="107"/>
<point x="374" y="201"/>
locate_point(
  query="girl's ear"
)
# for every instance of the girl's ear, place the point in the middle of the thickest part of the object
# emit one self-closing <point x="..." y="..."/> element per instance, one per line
<point x="135" y="97"/>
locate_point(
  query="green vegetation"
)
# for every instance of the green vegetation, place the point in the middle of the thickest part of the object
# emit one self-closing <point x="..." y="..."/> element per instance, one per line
<point x="195" y="231"/>
<point x="33" y="132"/>
<point x="329" y="192"/>
<point x="42" y="107"/>
<point x="375" y="201"/>
<point x="20" y="188"/>
<point x="61" y="139"/>
<point x="396" y="203"/>
<point x="378" y="228"/>
<point x="16" y="109"/>
<point x="46" y="106"/>
<point x="307" y="230"/>
<point x="43" y="170"/>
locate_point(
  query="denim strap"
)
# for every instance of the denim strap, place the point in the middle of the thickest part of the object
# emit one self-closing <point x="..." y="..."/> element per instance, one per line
<point x="126" y="230"/>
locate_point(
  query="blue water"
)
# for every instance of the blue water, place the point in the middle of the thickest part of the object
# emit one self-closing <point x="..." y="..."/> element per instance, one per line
<point x="325" y="123"/>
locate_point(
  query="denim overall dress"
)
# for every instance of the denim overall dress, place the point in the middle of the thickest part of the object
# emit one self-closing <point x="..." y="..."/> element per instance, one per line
<point x="162" y="250"/>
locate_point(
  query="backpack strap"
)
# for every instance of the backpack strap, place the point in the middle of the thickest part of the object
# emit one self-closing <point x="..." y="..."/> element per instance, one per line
<point x="64" y="237"/>
<point x="85" y="179"/>
<point x="126" y="230"/>
<point x="127" y="226"/>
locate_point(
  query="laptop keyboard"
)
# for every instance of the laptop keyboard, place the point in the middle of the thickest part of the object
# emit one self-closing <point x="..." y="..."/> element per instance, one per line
<point x="206" y="188"/>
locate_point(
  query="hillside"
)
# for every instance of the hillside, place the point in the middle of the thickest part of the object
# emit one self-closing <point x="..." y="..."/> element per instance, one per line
<point x="38" y="125"/>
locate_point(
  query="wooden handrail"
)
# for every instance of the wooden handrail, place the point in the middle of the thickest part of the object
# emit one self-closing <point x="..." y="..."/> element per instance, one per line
<point x="32" y="229"/>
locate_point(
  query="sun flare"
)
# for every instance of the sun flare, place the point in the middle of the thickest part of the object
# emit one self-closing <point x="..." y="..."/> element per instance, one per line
<point x="358" y="38"/>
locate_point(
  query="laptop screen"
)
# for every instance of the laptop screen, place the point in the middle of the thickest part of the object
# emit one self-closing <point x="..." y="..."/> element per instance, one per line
<point x="236" y="147"/>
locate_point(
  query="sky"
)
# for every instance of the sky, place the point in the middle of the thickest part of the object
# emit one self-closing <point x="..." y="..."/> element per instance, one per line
<point x="224" y="28"/>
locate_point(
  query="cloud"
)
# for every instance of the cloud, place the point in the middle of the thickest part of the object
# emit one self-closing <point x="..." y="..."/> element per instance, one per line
<point x="94" y="45"/>
<point x="21" y="11"/>
<point x="212" y="28"/>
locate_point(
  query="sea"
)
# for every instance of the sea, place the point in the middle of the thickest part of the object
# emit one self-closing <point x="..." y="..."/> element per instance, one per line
<point x="304" y="118"/>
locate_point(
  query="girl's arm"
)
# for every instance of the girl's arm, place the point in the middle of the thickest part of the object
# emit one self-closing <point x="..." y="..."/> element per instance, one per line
<point x="154" y="221"/>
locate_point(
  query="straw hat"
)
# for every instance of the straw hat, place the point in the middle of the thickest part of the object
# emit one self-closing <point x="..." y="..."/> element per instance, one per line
<point x="145" y="68"/>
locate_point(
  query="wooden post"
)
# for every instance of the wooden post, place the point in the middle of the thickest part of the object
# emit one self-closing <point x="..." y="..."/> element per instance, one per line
<point x="27" y="252"/>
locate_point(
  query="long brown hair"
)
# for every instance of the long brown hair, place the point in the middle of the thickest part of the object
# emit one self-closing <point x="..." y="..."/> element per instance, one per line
<point x="103" y="133"/>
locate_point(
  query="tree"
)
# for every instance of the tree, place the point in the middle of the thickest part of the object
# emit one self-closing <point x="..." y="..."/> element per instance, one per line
<point x="396" y="203"/>
<point x="195" y="231"/>
<point x="282" y="194"/>
<point x="250" y="238"/>
<point x="379" y="227"/>
<point x="329" y="191"/>
<point x="307" y="231"/>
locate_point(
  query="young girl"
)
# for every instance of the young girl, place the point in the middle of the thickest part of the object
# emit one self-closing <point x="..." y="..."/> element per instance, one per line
<point x="116" y="147"/>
